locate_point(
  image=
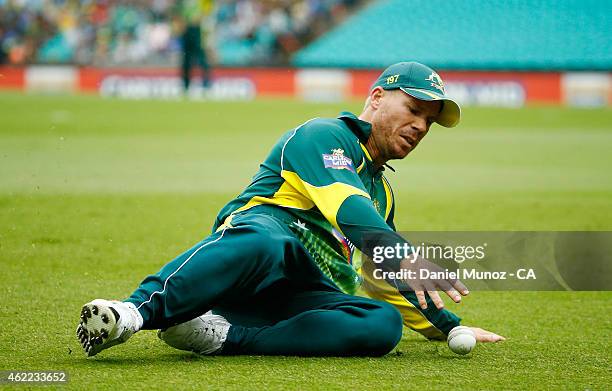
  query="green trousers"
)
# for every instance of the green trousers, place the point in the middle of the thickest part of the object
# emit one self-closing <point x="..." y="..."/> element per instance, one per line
<point x="258" y="275"/>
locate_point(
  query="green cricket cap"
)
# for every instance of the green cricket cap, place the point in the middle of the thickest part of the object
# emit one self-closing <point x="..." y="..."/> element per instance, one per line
<point x="420" y="82"/>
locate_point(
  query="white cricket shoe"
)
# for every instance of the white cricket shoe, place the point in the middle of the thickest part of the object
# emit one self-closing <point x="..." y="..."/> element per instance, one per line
<point x="106" y="323"/>
<point x="203" y="335"/>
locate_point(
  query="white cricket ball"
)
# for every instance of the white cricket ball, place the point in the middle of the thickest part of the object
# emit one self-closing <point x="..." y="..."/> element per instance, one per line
<point x="461" y="340"/>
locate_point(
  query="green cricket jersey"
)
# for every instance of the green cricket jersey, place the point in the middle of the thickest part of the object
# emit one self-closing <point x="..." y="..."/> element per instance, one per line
<point x="320" y="180"/>
<point x="310" y="173"/>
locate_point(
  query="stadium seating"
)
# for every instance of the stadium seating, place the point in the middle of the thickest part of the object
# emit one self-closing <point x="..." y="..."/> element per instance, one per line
<point x="147" y="32"/>
<point x="471" y="34"/>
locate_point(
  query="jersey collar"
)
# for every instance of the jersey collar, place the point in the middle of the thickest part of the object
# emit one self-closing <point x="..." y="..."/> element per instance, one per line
<point x="360" y="128"/>
<point x="370" y="163"/>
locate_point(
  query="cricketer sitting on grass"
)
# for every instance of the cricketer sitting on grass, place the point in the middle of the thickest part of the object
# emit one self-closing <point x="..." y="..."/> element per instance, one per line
<point x="277" y="275"/>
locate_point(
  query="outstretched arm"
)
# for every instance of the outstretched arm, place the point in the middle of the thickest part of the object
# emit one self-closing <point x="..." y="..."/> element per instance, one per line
<point x="335" y="187"/>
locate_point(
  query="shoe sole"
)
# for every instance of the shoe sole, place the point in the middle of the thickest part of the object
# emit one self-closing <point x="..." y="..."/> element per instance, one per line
<point x="98" y="323"/>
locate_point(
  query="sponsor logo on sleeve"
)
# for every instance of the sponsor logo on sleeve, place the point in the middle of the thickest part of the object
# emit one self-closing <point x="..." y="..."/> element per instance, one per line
<point x="338" y="161"/>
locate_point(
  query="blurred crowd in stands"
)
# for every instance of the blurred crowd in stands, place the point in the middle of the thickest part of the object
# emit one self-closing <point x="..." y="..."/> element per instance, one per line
<point x="147" y="32"/>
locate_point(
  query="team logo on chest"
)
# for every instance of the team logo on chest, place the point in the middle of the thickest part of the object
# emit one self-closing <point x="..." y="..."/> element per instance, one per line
<point x="377" y="205"/>
<point x="337" y="160"/>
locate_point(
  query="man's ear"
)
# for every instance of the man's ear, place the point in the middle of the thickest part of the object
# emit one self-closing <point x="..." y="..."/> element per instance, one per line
<point x="376" y="96"/>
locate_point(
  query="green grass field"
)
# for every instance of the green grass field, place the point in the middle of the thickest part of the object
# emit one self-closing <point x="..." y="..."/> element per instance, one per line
<point x="95" y="194"/>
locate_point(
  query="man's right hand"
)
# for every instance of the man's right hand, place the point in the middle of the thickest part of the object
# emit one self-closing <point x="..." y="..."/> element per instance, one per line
<point x="452" y="287"/>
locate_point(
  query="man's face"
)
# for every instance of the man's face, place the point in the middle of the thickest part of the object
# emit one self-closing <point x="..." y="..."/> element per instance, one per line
<point x="400" y="122"/>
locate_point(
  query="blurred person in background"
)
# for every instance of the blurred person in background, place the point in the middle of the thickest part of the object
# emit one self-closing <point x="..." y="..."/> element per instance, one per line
<point x="3" y="53"/>
<point x="193" y="42"/>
